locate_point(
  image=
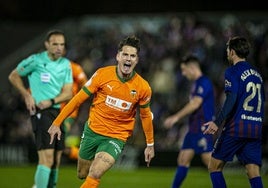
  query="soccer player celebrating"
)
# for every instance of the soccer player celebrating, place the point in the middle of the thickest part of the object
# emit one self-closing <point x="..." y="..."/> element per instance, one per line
<point x="242" y="114"/>
<point x="118" y="90"/>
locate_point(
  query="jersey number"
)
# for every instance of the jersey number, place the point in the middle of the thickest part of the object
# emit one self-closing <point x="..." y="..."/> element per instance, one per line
<point x="254" y="90"/>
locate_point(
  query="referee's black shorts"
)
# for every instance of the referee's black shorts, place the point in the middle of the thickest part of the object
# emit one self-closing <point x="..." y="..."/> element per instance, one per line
<point x="41" y="122"/>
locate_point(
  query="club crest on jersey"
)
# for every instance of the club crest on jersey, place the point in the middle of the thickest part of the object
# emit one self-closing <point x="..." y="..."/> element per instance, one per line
<point x="133" y="93"/>
<point x="118" y="104"/>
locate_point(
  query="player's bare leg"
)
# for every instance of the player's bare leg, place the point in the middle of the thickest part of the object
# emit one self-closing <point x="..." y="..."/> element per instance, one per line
<point x="102" y="162"/>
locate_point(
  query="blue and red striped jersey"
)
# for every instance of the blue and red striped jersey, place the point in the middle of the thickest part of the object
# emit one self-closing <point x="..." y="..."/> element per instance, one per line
<point x="202" y="87"/>
<point x="246" y="118"/>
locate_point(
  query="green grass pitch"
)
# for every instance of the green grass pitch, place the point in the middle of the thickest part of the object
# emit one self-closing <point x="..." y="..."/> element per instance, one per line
<point x="22" y="177"/>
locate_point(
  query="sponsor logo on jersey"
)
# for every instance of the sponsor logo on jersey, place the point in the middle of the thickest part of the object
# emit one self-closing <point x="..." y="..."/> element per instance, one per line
<point x="117" y="103"/>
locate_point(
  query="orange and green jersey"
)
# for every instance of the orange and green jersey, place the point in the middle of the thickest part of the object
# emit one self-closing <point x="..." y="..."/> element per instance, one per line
<point x="79" y="79"/>
<point x="114" y="106"/>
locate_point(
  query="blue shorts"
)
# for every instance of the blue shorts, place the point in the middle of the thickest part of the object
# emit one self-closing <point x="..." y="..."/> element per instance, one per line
<point x="199" y="142"/>
<point x="247" y="150"/>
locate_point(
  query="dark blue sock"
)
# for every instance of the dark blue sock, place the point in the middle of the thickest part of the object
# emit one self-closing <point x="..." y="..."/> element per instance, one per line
<point x="256" y="182"/>
<point x="217" y="180"/>
<point x="179" y="176"/>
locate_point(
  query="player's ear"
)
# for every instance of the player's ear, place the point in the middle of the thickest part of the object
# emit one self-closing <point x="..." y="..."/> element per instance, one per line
<point x="46" y="44"/>
<point x="117" y="56"/>
<point x="232" y="52"/>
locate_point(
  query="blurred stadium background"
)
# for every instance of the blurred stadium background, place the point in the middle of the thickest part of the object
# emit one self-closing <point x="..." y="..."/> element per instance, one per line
<point x="167" y="30"/>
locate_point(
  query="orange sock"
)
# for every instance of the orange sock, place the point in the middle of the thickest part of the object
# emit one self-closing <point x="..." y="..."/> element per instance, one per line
<point x="74" y="153"/>
<point x="90" y="183"/>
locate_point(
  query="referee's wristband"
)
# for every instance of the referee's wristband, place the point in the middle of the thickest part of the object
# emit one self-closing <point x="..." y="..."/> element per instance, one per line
<point x="152" y="144"/>
<point x="52" y="102"/>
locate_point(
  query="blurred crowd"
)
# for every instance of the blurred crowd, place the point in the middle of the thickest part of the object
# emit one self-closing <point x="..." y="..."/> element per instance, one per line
<point x="165" y="40"/>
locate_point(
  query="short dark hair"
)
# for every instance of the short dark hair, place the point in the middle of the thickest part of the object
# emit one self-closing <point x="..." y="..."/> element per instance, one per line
<point x="54" y="32"/>
<point x="190" y="58"/>
<point x="240" y="45"/>
<point x="130" y="41"/>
